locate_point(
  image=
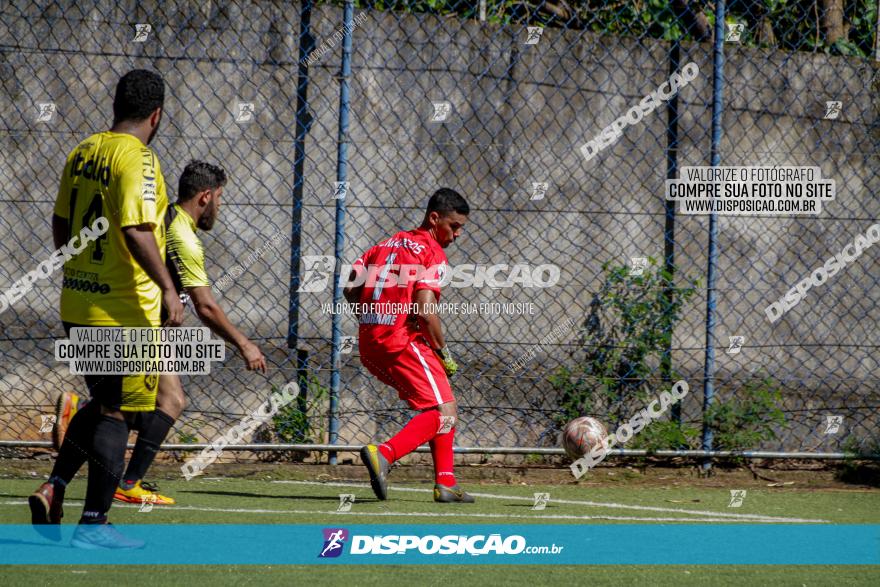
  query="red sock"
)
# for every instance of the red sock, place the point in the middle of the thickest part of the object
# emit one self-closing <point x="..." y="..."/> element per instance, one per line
<point x="417" y="432"/>
<point x="441" y="450"/>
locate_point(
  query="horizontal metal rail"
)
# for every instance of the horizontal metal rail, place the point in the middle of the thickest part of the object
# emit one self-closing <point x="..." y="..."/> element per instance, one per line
<point x="501" y="450"/>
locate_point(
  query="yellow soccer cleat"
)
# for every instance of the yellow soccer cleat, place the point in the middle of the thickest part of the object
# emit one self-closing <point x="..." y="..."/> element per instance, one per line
<point x="142" y="492"/>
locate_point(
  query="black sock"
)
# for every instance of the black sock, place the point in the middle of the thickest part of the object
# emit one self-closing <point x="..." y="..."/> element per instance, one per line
<point x="74" y="449"/>
<point x="106" y="462"/>
<point x="154" y="427"/>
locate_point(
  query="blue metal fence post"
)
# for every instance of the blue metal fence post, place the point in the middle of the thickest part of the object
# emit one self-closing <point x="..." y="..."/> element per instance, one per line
<point x="717" y="110"/>
<point x="341" y="174"/>
<point x="669" y="228"/>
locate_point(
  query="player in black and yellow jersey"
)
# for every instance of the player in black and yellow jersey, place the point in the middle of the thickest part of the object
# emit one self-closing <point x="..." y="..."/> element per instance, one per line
<point x="199" y="192"/>
<point x="119" y="280"/>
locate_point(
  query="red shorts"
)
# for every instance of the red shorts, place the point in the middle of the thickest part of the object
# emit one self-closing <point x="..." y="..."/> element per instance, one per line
<point x="415" y="372"/>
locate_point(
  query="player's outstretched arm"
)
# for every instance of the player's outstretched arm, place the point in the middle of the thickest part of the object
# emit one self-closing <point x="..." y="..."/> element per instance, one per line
<point x="143" y="247"/>
<point x="213" y="316"/>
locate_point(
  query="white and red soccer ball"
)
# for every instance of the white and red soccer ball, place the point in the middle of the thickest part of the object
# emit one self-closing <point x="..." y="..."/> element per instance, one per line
<point x="582" y="434"/>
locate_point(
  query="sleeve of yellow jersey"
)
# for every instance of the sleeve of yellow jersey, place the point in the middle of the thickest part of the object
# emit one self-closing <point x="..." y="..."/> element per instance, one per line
<point x="188" y="256"/>
<point x="138" y="184"/>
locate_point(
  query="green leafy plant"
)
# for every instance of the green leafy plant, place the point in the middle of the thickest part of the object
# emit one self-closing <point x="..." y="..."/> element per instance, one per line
<point x="666" y="435"/>
<point x="854" y="469"/>
<point x="534" y="459"/>
<point x="627" y="332"/>
<point x="862" y="447"/>
<point x="791" y="25"/>
<point x="187" y="438"/>
<point x="294" y="423"/>
<point x="748" y="417"/>
<point x="191" y="434"/>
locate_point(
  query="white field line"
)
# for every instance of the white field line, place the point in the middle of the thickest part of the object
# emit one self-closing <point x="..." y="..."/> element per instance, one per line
<point x="172" y="508"/>
<point x="752" y="517"/>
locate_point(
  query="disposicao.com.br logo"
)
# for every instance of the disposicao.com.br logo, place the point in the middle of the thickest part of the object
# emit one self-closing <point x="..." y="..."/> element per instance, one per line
<point x="431" y="544"/>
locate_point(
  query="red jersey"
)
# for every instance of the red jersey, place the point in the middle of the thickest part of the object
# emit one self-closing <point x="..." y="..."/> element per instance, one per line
<point x="395" y="269"/>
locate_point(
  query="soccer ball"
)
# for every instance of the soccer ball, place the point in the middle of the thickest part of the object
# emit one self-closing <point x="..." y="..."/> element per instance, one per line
<point x="582" y="434"/>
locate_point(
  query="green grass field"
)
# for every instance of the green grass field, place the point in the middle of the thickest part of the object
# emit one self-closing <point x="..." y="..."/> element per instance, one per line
<point x="301" y="499"/>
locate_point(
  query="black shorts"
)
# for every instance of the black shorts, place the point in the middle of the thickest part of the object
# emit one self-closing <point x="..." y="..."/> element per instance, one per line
<point x="127" y="393"/>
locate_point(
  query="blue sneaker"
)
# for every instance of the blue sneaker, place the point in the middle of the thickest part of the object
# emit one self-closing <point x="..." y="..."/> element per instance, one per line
<point x="102" y="537"/>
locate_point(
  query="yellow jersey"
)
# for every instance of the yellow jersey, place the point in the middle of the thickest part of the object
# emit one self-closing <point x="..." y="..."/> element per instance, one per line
<point x="185" y="256"/>
<point x="115" y="176"/>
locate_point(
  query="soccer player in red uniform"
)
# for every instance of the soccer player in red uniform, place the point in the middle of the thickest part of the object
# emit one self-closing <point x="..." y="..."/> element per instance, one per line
<point x="401" y="339"/>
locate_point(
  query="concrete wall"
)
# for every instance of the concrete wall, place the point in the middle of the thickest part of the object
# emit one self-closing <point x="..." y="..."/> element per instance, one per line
<point x="520" y="113"/>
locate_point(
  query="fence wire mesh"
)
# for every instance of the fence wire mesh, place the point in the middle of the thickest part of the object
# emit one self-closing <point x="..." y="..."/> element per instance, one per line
<point x="495" y="100"/>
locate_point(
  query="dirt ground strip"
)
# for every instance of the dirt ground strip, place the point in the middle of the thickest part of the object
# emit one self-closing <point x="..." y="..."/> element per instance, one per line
<point x="809" y="476"/>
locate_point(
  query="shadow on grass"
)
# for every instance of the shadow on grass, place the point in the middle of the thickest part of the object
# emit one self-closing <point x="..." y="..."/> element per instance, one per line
<point x="329" y="498"/>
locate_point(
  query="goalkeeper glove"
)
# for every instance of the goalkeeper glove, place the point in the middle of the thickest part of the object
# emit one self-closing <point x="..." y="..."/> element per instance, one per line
<point x="449" y="364"/>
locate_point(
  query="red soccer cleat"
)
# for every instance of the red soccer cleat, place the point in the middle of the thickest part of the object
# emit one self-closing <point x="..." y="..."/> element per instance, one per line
<point x="46" y="510"/>
<point x="65" y="409"/>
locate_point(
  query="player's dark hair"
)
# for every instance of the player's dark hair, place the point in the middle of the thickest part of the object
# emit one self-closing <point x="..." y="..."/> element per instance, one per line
<point x="446" y="200"/>
<point x="138" y="94"/>
<point x="199" y="176"/>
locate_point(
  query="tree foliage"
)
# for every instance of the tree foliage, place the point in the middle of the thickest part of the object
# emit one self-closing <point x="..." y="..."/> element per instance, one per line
<point x="840" y="27"/>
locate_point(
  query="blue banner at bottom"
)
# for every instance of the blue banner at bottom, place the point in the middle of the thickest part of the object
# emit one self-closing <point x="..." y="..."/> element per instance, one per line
<point x="619" y="544"/>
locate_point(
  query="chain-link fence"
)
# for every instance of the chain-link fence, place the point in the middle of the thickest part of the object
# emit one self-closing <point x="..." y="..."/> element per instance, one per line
<point x="331" y="147"/>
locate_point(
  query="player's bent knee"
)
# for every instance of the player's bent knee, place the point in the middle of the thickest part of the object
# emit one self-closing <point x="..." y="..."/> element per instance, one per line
<point x="171" y="398"/>
<point x="172" y="405"/>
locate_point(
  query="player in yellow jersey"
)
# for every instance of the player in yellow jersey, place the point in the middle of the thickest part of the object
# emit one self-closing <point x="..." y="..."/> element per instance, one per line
<point x="120" y="279"/>
<point x="198" y="203"/>
<point x="199" y="193"/>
